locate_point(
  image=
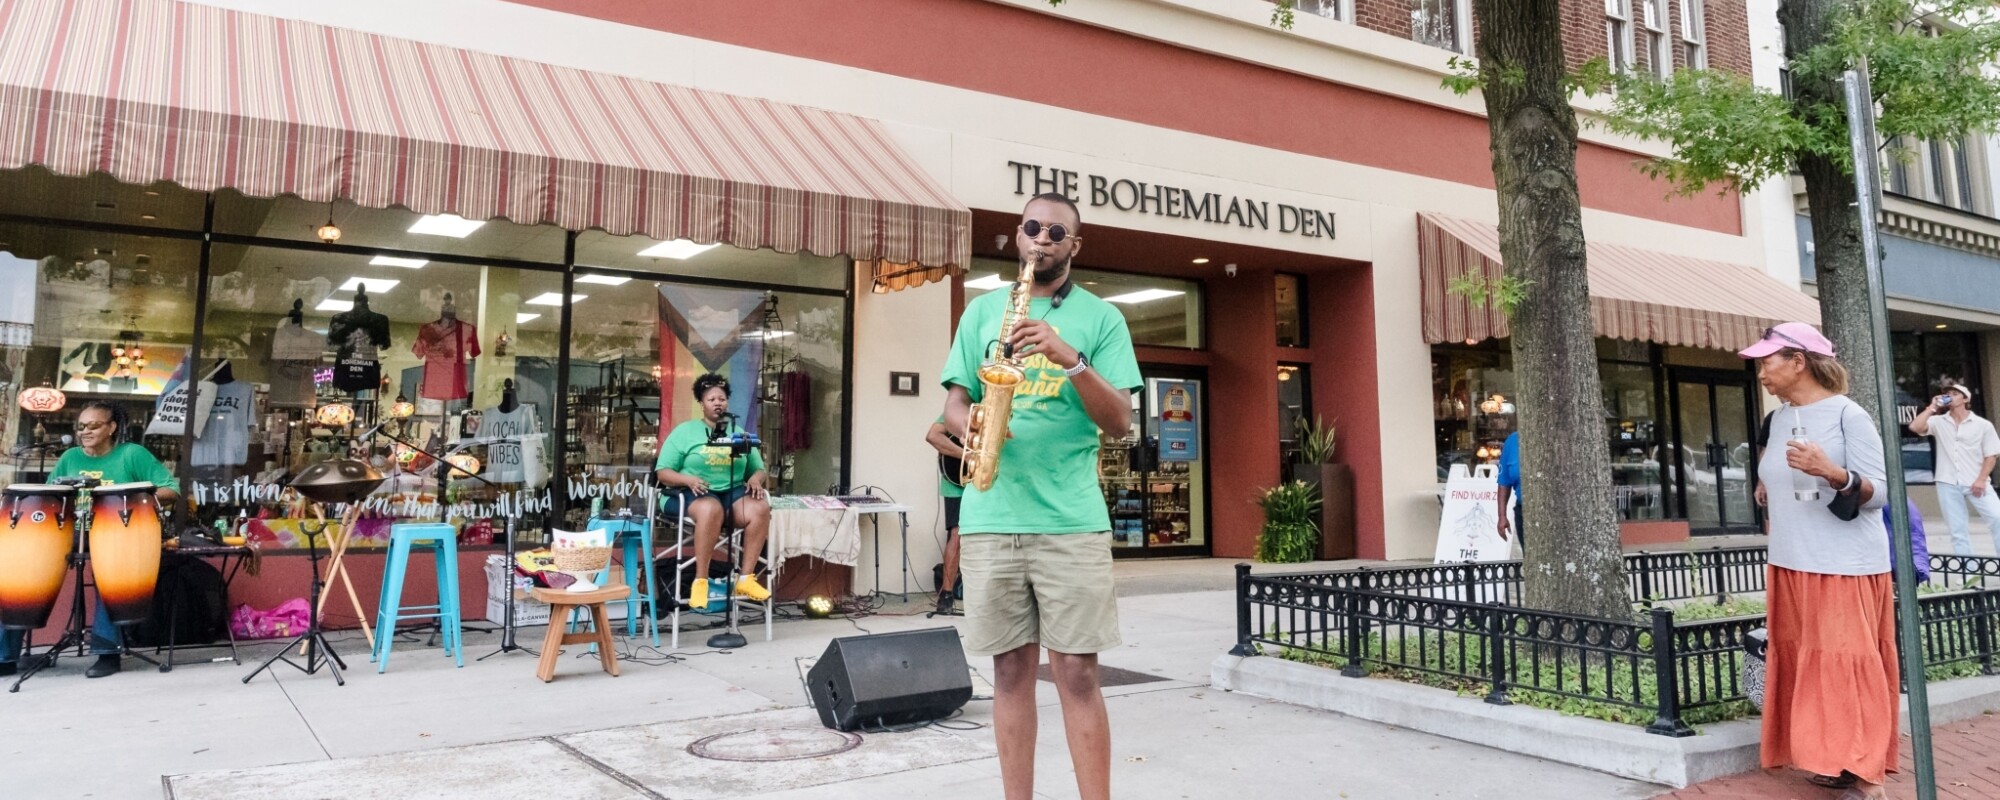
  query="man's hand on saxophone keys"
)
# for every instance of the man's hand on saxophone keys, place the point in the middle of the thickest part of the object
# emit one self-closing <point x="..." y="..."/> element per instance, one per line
<point x="1036" y="337"/>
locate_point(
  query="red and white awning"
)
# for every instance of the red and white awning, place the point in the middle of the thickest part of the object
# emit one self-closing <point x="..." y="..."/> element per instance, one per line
<point x="208" y="98"/>
<point x="1635" y="294"/>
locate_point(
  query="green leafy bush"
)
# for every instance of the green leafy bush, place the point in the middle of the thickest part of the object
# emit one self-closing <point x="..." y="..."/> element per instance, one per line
<point x="1291" y="524"/>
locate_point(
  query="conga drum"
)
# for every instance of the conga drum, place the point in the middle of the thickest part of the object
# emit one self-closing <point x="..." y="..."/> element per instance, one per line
<point x="125" y="548"/>
<point x="37" y="532"/>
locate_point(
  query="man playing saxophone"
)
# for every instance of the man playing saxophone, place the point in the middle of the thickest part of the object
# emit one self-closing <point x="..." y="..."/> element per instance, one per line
<point x="1036" y="546"/>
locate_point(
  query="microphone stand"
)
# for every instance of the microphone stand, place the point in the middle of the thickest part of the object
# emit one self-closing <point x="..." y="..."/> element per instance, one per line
<point x="507" y="644"/>
<point x="731" y="638"/>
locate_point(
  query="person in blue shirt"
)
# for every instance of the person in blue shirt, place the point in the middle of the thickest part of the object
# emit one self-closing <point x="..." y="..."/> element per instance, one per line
<point x="1509" y="475"/>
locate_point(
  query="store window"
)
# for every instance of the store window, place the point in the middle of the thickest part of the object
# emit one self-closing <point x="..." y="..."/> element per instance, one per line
<point x="1291" y="310"/>
<point x="1476" y="406"/>
<point x="639" y="342"/>
<point x="1161" y="312"/>
<point x="94" y="316"/>
<point x="443" y="359"/>
<point x="395" y="229"/>
<point x="1294" y="407"/>
<point x="711" y="262"/>
<point x="1155" y="481"/>
<point x="1925" y="364"/>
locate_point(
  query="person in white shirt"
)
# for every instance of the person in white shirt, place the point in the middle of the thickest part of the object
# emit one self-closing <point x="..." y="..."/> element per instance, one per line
<point x="1967" y="446"/>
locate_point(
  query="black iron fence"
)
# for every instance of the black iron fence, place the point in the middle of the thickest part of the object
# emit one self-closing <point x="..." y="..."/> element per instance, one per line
<point x="1459" y="626"/>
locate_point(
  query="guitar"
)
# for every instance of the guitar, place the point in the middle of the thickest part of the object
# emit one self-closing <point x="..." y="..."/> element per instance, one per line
<point x="950" y="468"/>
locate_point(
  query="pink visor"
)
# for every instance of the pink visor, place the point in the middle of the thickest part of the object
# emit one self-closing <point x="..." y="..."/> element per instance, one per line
<point x="1793" y="335"/>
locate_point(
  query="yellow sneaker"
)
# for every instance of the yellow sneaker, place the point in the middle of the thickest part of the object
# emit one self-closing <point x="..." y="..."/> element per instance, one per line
<point x="747" y="586"/>
<point x="698" y="596"/>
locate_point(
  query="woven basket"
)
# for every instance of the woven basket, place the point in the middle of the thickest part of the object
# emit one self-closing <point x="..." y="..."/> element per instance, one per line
<point x="581" y="559"/>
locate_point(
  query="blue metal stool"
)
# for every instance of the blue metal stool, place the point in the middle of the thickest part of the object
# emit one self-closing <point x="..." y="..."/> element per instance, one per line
<point x="635" y="537"/>
<point x="442" y="540"/>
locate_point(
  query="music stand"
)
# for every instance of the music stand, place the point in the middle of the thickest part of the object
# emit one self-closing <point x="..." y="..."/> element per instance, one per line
<point x="342" y="480"/>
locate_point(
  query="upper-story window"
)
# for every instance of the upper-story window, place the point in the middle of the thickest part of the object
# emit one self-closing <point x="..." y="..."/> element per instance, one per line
<point x="1331" y="9"/>
<point x="1694" y="35"/>
<point x="1943" y="171"/>
<point x="1653" y="18"/>
<point x="1442" y="23"/>
<point x="1618" y="34"/>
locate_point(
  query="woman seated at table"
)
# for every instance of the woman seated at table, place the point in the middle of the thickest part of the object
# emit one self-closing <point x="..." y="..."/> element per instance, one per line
<point x="709" y="480"/>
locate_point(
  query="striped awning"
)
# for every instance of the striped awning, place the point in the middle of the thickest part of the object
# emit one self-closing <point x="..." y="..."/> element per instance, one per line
<point x="1635" y="294"/>
<point x="208" y="98"/>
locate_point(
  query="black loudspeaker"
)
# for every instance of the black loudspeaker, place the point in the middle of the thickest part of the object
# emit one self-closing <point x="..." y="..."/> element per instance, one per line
<point x="890" y="679"/>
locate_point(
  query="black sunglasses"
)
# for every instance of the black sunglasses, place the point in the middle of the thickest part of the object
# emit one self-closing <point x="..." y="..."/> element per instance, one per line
<point x="1034" y="227"/>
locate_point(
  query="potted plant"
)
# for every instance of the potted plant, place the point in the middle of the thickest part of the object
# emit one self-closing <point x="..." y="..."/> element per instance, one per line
<point x="1291" y="523"/>
<point x="1317" y="445"/>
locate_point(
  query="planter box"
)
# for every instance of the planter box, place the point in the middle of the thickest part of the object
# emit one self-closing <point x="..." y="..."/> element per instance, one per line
<point x="1336" y="508"/>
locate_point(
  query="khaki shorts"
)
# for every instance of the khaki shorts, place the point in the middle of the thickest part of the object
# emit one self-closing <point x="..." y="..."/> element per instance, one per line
<point x="1050" y="588"/>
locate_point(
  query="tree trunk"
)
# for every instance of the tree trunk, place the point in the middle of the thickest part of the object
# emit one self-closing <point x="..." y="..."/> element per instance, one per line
<point x="1574" y="562"/>
<point x="1830" y="192"/>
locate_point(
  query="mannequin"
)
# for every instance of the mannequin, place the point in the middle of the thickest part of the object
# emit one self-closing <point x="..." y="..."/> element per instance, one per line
<point x="222" y="375"/>
<point x="357" y="336"/>
<point x="515" y="453"/>
<point x="444" y="346"/>
<point x="295" y="353"/>
<point x="225" y="437"/>
<point x="508" y="400"/>
<point x="298" y="313"/>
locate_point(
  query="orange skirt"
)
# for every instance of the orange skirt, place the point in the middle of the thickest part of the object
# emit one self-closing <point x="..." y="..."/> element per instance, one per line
<point x="1830" y="701"/>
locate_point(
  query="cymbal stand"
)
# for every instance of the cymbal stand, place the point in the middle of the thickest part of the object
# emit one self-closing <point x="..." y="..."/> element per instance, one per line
<point x="316" y="650"/>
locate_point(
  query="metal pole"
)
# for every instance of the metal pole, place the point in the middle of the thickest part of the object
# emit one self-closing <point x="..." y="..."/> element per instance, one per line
<point x="1868" y="201"/>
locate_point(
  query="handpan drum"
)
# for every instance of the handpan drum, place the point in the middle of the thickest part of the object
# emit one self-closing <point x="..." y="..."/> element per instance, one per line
<point x="125" y="548"/>
<point x="37" y="532"/>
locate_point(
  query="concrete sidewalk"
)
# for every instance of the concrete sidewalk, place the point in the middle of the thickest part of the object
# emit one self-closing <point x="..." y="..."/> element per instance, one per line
<point x="1966" y="756"/>
<point x="491" y="730"/>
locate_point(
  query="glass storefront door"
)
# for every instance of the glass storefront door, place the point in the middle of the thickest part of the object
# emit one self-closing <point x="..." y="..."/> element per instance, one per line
<point x="1714" y="462"/>
<point x="1156" y="479"/>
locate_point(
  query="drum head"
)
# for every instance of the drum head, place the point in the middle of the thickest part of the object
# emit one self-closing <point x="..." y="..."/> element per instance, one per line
<point x="125" y="488"/>
<point x="40" y="489"/>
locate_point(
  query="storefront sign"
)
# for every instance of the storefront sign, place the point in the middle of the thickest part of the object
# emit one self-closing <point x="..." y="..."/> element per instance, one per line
<point x="1180" y="431"/>
<point x="1126" y="194"/>
<point x="1469" y="528"/>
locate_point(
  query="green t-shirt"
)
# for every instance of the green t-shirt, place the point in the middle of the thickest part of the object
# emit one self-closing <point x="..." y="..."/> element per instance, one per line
<point x="688" y="452"/>
<point x="1048" y="470"/>
<point x="125" y="463"/>
<point x="945" y="487"/>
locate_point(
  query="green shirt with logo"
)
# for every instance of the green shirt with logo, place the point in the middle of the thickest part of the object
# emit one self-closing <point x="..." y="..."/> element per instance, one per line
<point x="688" y="452"/>
<point x="1048" y="470"/>
<point x="124" y="463"/>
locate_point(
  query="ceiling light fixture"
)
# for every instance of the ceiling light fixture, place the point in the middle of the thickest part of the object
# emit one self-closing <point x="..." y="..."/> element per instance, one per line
<point x="451" y="225"/>
<point x="678" y="249"/>
<point x="398" y="261"/>
<point x="555" y="299"/>
<point x="522" y="318"/>
<point x="603" y="280"/>
<point x="333" y="305"/>
<point x="1941" y="326"/>
<point x="993" y="281"/>
<point x="1201" y="261"/>
<point x="1144" y="295"/>
<point x="373" y="285"/>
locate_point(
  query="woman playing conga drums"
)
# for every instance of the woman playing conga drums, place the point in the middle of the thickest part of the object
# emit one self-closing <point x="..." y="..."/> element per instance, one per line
<point x="100" y="455"/>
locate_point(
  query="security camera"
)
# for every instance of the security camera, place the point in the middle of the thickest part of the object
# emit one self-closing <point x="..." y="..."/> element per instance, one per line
<point x="1229" y="269"/>
<point x="1000" y="241"/>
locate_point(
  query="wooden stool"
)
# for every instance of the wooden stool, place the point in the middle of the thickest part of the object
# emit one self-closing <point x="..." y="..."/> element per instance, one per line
<point x="560" y="604"/>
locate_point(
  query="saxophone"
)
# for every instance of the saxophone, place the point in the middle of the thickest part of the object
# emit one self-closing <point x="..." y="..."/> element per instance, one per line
<point x="1000" y="373"/>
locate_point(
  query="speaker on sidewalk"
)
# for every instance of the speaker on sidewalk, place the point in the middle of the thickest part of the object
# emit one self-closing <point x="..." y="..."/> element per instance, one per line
<point x="890" y="679"/>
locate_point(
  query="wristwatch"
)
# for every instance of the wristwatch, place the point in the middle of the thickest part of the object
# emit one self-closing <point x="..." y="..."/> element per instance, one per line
<point x="1082" y="363"/>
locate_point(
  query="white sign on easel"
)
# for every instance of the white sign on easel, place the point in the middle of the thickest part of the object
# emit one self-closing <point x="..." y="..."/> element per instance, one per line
<point x="1468" y="530"/>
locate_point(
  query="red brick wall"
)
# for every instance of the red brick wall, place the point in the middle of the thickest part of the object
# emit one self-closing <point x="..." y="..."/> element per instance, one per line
<point x="1728" y="29"/>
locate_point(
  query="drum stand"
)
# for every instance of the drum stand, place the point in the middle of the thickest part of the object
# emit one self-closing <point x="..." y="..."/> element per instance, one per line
<point x="313" y="642"/>
<point x="77" y="633"/>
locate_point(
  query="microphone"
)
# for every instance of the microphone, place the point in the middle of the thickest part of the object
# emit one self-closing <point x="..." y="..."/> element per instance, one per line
<point x="64" y="441"/>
